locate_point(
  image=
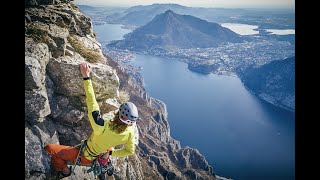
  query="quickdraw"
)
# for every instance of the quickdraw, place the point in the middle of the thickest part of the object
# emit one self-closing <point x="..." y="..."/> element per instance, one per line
<point x="99" y="169"/>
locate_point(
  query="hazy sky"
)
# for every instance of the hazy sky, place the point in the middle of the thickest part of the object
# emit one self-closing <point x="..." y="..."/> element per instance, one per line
<point x="195" y="3"/>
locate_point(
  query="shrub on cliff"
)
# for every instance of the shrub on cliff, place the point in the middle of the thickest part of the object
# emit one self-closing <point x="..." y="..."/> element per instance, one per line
<point x="90" y="55"/>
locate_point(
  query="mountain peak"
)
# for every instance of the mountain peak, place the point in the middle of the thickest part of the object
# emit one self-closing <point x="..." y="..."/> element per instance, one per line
<point x="181" y="31"/>
<point x="169" y="12"/>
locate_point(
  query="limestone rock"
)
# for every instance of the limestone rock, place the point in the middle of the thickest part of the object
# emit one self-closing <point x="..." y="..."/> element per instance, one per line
<point x="66" y="76"/>
<point x="33" y="78"/>
<point x="46" y="132"/>
<point x="36" y="105"/>
<point x="37" y="162"/>
<point x="36" y="60"/>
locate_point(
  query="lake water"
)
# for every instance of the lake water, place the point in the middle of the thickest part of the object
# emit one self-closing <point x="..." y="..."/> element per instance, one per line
<point x="241" y="136"/>
<point x="281" y="31"/>
<point x="242" y="29"/>
<point x="110" y="32"/>
<point x="247" y="29"/>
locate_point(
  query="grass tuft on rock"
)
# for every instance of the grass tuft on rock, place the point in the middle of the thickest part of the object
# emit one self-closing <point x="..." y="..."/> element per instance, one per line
<point x="90" y="55"/>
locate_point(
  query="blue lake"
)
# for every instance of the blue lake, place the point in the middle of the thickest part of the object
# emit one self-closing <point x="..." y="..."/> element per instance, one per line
<point x="241" y="136"/>
<point x="109" y="32"/>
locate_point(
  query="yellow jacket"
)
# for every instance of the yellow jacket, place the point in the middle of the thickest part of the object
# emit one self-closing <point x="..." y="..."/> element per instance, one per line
<point x="102" y="137"/>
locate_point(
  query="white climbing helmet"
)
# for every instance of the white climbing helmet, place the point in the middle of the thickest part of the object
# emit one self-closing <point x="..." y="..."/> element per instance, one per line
<point x="128" y="113"/>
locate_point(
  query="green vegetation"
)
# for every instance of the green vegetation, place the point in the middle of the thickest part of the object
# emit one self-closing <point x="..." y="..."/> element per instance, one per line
<point x="90" y="55"/>
<point x="73" y="6"/>
<point x="38" y="35"/>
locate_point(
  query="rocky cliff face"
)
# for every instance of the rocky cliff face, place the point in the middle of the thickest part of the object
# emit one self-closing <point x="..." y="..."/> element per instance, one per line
<point x="273" y="82"/>
<point x="58" y="37"/>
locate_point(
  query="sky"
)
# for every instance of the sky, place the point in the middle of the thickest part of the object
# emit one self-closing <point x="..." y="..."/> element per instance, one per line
<point x="195" y="3"/>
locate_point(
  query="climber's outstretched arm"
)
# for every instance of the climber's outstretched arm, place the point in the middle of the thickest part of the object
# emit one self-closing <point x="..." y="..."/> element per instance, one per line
<point x="95" y="118"/>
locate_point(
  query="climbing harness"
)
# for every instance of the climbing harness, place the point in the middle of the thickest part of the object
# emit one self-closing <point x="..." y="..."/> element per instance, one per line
<point x="78" y="159"/>
<point x="97" y="167"/>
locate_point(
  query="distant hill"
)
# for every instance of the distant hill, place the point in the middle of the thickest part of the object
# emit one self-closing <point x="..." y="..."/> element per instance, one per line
<point x="98" y="14"/>
<point x="137" y="16"/>
<point x="273" y="82"/>
<point x="169" y="30"/>
<point x="86" y="7"/>
<point x="141" y="15"/>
